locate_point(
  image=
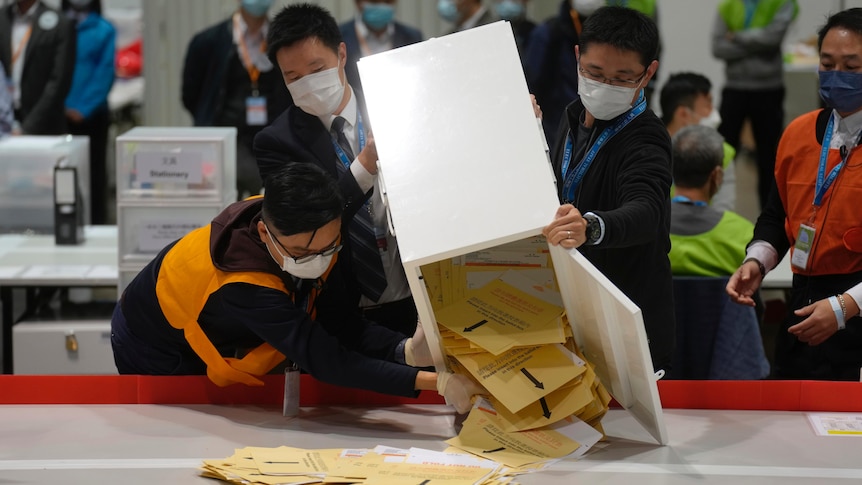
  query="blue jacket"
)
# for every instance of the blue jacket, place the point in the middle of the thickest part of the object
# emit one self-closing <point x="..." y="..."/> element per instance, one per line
<point x="94" y="66"/>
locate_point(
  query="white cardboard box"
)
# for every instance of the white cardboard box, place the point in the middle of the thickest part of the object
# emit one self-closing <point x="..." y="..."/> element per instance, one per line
<point x="27" y="179"/>
<point x="46" y="347"/>
<point x="173" y="162"/>
<point x="464" y="168"/>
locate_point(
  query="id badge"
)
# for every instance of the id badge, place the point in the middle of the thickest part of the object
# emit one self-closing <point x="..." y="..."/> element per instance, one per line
<point x="802" y="248"/>
<point x="255" y="111"/>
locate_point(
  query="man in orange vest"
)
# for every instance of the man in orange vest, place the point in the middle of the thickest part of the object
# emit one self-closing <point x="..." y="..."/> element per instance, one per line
<point x="814" y="212"/>
<point x="260" y="284"/>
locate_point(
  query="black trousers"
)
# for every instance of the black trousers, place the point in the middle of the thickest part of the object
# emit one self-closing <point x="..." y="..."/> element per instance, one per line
<point x="400" y="316"/>
<point x="96" y="127"/>
<point x="765" y="109"/>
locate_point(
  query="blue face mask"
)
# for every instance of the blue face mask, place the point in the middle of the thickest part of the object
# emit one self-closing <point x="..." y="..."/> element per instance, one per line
<point x="447" y="10"/>
<point x="509" y="9"/>
<point x="256" y="8"/>
<point x="841" y="90"/>
<point x="377" y="15"/>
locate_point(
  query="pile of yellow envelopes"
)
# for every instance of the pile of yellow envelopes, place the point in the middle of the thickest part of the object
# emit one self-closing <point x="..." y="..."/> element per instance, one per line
<point x="501" y="321"/>
<point x="380" y="465"/>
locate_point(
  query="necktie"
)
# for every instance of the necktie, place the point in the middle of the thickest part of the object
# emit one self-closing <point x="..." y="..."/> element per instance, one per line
<point x="368" y="268"/>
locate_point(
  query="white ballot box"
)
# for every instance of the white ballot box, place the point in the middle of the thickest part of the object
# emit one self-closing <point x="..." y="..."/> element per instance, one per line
<point x="27" y="179"/>
<point x="464" y="170"/>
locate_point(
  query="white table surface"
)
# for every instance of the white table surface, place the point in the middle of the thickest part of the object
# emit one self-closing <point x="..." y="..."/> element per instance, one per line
<point x="145" y="444"/>
<point x="35" y="260"/>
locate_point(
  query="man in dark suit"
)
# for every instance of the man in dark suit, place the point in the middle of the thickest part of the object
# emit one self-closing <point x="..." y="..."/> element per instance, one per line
<point x="37" y="46"/>
<point x="229" y="81"/>
<point x="326" y="126"/>
<point x="374" y="30"/>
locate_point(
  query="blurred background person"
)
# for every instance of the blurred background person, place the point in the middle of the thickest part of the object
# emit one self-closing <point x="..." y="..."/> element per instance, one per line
<point x="747" y="36"/>
<point x="87" y="111"/>
<point x="515" y="11"/>
<point x="686" y="99"/>
<point x="37" y="47"/>
<point x="229" y="81"/>
<point x="374" y="30"/>
<point x="705" y="240"/>
<point x="7" y="117"/>
<point x="551" y="68"/>
<point x="465" y="14"/>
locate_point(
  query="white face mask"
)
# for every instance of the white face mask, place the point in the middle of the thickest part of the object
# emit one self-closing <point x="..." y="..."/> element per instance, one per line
<point x="587" y="7"/>
<point x="603" y="101"/>
<point x="318" y="94"/>
<point x="308" y="270"/>
<point x="712" y="121"/>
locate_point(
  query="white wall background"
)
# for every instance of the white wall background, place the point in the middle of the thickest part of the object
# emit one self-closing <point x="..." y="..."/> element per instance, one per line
<point x="685" y="26"/>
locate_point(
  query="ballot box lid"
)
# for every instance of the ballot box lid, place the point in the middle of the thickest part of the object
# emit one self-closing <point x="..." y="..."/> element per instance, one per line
<point x="462" y="156"/>
<point x="464" y="168"/>
<point x="609" y="329"/>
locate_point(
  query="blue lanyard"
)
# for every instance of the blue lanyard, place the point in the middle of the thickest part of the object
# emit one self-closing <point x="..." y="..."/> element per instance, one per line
<point x="821" y="186"/>
<point x="574" y="178"/>
<point x="681" y="199"/>
<point x="340" y="151"/>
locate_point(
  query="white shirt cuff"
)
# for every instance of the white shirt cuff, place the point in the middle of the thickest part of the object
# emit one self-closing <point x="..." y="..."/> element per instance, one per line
<point x="763" y="252"/>
<point x="856" y="294"/>
<point x="363" y="177"/>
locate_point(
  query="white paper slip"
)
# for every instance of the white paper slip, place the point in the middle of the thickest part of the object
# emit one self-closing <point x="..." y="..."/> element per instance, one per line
<point x="836" y="424"/>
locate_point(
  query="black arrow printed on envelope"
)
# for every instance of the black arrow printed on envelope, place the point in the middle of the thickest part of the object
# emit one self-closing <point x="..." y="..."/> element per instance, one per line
<point x="475" y="326"/>
<point x="426" y="482"/>
<point x="494" y="450"/>
<point x="532" y="379"/>
<point x="545" y="411"/>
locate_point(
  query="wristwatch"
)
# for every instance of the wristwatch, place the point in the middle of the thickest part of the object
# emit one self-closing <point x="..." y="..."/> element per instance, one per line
<point x="594" y="229"/>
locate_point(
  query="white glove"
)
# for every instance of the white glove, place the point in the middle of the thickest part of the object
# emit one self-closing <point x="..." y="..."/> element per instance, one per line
<point x="458" y="390"/>
<point x="416" y="351"/>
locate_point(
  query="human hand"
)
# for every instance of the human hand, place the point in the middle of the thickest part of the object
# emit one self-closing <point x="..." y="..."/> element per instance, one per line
<point x="368" y="156"/>
<point x="416" y="350"/>
<point x="568" y="229"/>
<point x="537" y="110"/>
<point x="744" y="282"/>
<point x="820" y="324"/>
<point x="458" y="390"/>
<point x="74" y="115"/>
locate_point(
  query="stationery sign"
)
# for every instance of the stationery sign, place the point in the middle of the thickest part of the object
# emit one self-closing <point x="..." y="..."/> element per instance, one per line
<point x="166" y="167"/>
<point x="154" y="235"/>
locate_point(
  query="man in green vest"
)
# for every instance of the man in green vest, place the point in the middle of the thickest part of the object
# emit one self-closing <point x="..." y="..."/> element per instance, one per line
<point x="705" y="241"/>
<point x="747" y="36"/>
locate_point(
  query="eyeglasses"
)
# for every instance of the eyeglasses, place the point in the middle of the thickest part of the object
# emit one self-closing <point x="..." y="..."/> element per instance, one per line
<point x="307" y="257"/>
<point x="625" y="83"/>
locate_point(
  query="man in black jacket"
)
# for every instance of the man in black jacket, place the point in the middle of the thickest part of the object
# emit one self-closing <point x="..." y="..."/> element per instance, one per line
<point x="229" y="81"/>
<point x="612" y="161"/>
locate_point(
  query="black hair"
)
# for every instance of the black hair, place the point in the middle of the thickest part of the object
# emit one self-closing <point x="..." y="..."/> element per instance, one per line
<point x="850" y="19"/>
<point x="94" y="7"/>
<point x="623" y="28"/>
<point x="299" y="198"/>
<point x="697" y="150"/>
<point x="682" y="89"/>
<point x="298" y="22"/>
